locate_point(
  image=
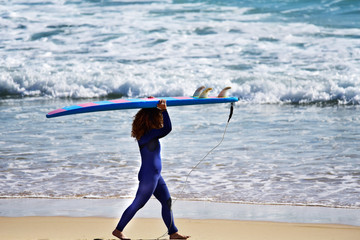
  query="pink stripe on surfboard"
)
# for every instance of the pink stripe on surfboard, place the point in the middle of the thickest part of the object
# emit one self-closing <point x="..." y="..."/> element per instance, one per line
<point x="57" y="111"/>
<point x="119" y="101"/>
<point x="87" y="104"/>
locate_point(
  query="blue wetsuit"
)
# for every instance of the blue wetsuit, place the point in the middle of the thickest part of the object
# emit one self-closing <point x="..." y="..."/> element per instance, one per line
<point x="150" y="179"/>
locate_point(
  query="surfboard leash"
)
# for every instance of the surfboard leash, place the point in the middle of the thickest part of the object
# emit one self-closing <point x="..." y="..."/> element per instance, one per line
<point x="193" y="168"/>
<point x="222" y="139"/>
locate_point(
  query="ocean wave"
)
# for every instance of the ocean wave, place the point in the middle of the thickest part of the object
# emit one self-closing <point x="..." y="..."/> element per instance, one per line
<point x="165" y="48"/>
<point x="254" y="91"/>
<point x="304" y="92"/>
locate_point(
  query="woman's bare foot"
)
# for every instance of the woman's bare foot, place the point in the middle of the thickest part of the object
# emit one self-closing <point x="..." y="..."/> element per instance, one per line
<point x="178" y="236"/>
<point x="119" y="235"/>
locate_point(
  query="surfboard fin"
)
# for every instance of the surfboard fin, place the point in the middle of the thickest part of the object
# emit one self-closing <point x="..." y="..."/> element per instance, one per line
<point x="223" y="92"/>
<point x="198" y="91"/>
<point x="205" y="93"/>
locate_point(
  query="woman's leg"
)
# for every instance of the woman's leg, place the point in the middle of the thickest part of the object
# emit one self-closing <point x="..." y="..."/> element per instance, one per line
<point x="162" y="194"/>
<point x="144" y="192"/>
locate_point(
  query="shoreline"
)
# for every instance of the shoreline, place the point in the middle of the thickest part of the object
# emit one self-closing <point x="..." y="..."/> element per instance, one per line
<point x="91" y="228"/>
<point x="113" y="208"/>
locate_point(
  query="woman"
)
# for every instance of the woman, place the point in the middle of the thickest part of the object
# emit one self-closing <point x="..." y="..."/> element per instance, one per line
<point x="148" y="127"/>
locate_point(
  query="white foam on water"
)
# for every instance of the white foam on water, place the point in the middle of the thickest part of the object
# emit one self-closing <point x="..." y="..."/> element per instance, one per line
<point x="57" y="52"/>
<point x="171" y="49"/>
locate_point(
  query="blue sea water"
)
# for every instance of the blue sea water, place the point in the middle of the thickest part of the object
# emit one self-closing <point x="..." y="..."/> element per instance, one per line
<point x="294" y="65"/>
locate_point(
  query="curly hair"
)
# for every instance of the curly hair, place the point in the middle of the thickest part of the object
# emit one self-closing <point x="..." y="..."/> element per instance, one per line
<point x="145" y="120"/>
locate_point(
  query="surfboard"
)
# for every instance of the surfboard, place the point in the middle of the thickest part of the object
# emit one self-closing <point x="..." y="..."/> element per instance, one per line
<point x="200" y="97"/>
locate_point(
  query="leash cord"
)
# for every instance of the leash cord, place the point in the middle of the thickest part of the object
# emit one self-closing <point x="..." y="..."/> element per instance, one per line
<point x="193" y="168"/>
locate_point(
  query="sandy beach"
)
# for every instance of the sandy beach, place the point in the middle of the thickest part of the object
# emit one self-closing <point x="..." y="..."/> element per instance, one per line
<point x="90" y="228"/>
<point x="285" y="167"/>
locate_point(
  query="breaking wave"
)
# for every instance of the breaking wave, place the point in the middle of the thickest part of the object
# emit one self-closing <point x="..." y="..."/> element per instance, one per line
<point x="111" y="49"/>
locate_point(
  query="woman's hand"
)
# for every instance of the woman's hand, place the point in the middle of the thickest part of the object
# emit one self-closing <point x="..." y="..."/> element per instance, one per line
<point x="162" y="105"/>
